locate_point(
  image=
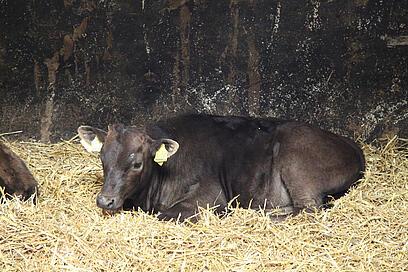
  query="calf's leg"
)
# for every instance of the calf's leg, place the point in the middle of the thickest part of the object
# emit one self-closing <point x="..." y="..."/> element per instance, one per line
<point x="179" y="212"/>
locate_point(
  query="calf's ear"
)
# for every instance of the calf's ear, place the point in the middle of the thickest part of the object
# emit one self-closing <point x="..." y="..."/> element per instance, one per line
<point x="171" y="146"/>
<point x="163" y="149"/>
<point x="92" y="138"/>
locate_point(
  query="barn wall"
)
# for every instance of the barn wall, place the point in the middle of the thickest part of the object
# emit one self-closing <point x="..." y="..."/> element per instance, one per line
<point x="340" y="64"/>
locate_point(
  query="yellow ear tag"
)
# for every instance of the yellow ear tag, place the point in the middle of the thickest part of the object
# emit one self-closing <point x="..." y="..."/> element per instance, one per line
<point x="161" y="155"/>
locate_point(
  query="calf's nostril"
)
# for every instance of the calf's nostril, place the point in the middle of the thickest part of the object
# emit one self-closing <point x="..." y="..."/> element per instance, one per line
<point x="105" y="202"/>
<point x="110" y="202"/>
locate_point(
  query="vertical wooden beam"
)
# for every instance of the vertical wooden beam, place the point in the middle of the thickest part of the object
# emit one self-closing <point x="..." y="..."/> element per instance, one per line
<point x="37" y="77"/>
<point x="233" y="51"/>
<point x="254" y="77"/>
<point x="176" y="80"/>
<point x="46" y="116"/>
<point x="185" y="20"/>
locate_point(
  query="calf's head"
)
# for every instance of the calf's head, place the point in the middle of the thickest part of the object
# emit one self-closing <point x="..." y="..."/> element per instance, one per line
<point x="127" y="156"/>
<point x="15" y="177"/>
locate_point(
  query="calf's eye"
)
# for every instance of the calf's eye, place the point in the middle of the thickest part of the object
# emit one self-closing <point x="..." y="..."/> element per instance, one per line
<point x="137" y="166"/>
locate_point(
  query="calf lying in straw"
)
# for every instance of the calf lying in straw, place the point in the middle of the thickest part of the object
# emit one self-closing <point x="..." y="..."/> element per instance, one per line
<point x="177" y="165"/>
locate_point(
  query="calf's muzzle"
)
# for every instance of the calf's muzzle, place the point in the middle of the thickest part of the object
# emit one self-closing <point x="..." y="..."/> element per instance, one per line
<point x="107" y="202"/>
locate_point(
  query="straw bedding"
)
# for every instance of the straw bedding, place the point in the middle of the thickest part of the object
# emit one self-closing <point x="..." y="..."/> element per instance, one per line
<point x="366" y="230"/>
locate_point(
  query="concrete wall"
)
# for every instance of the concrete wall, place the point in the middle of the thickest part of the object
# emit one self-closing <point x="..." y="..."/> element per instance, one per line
<point x="340" y="64"/>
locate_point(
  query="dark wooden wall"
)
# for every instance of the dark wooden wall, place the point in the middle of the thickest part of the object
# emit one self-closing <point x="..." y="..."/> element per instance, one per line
<point x="340" y="64"/>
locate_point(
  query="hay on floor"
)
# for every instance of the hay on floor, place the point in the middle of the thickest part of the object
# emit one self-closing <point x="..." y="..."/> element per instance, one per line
<point x="366" y="230"/>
